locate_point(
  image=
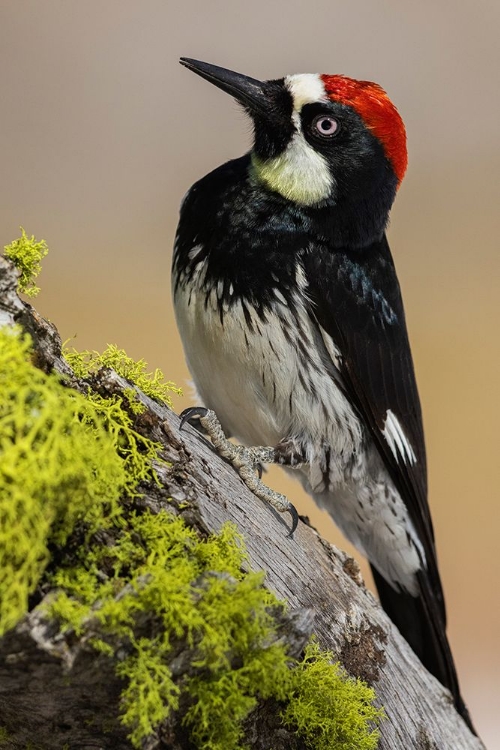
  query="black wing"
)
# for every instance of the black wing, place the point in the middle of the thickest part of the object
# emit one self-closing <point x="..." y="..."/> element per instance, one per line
<point x="356" y="300"/>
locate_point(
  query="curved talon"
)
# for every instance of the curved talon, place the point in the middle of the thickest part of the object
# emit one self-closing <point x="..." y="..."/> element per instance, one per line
<point x="295" y="520"/>
<point x="190" y="413"/>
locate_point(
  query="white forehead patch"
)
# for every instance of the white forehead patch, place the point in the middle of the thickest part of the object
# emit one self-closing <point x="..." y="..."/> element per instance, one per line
<point x="305" y="88"/>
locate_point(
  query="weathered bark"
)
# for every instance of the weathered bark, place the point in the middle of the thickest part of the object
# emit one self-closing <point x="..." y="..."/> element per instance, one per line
<point x="56" y="691"/>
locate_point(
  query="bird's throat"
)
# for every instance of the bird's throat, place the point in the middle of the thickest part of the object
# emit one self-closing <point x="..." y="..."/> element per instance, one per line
<point x="299" y="174"/>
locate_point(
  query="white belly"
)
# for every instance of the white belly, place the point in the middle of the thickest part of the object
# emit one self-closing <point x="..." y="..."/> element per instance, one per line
<point x="263" y="385"/>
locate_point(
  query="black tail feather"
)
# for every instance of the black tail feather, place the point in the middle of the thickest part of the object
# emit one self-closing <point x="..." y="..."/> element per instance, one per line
<point x="420" y="621"/>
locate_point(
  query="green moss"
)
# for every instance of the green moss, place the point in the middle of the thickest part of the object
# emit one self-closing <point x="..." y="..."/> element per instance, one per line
<point x="199" y="595"/>
<point x="135" y="451"/>
<point x="4" y="736"/>
<point x="153" y="384"/>
<point x="63" y="460"/>
<point x="197" y="589"/>
<point x="221" y="701"/>
<point x="151" y="693"/>
<point x="329" y="709"/>
<point x="26" y="254"/>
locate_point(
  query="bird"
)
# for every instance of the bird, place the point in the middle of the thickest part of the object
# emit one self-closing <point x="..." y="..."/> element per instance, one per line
<point x="293" y="327"/>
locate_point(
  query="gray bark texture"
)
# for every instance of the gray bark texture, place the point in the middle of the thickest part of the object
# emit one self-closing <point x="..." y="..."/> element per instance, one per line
<point x="56" y="691"/>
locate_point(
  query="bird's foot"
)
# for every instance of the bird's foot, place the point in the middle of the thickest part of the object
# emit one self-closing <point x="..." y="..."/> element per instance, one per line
<point x="248" y="462"/>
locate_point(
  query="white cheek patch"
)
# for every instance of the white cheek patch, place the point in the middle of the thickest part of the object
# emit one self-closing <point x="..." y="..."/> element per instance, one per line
<point x="397" y="440"/>
<point x="300" y="173"/>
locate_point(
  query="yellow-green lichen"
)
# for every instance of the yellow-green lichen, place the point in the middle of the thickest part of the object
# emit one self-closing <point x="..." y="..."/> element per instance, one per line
<point x="26" y="254"/>
<point x="136" y="451"/>
<point x="201" y="597"/>
<point x="153" y="384"/>
<point x="198" y="591"/>
<point x="327" y="708"/>
<point x="63" y="459"/>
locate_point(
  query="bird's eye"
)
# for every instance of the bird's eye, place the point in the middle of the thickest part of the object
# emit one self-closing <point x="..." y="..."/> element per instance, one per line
<point x="325" y="126"/>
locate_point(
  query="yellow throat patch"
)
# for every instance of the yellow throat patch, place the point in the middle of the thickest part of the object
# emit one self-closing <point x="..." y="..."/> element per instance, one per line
<point x="299" y="174"/>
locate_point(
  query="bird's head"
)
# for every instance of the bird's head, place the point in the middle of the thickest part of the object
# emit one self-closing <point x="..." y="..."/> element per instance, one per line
<point x="319" y="139"/>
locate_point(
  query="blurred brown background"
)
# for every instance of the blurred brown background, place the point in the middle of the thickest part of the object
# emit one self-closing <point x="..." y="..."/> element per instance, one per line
<point x="102" y="132"/>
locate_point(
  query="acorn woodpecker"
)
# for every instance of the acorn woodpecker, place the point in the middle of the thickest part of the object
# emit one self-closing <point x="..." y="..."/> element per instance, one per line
<point x="293" y="326"/>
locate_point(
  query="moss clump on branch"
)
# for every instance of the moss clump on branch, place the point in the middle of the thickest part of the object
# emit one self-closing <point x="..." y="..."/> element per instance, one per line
<point x="153" y="384"/>
<point x="26" y="253"/>
<point x="197" y="590"/>
<point x="63" y="459"/>
<point x="225" y="618"/>
<point x="328" y="709"/>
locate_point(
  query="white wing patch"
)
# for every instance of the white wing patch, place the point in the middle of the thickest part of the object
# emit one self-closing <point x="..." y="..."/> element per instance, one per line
<point x="397" y="440"/>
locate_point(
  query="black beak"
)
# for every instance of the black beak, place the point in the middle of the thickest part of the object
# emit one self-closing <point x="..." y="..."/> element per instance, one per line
<point x="255" y="96"/>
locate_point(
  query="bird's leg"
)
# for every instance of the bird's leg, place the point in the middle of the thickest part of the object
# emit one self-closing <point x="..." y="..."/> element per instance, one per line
<point x="248" y="461"/>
